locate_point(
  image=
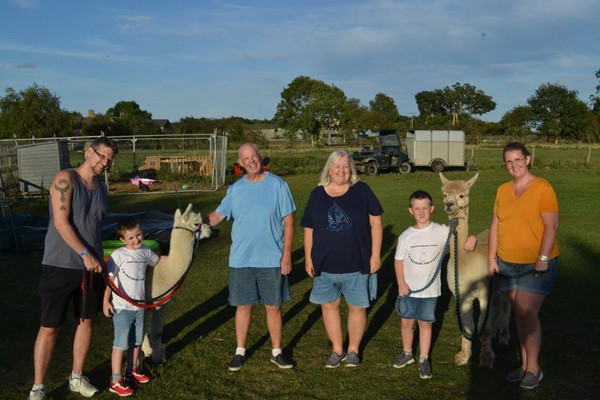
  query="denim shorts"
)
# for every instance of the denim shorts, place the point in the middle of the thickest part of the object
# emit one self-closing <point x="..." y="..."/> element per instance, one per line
<point x="419" y="308"/>
<point x="519" y="277"/>
<point x="250" y="286"/>
<point x="129" y="328"/>
<point x="328" y="288"/>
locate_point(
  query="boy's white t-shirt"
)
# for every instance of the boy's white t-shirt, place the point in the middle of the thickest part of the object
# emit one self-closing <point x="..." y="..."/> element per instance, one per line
<point x="421" y="250"/>
<point x="129" y="269"/>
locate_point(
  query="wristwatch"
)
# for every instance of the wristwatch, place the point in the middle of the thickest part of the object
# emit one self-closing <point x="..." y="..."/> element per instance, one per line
<point x="543" y="258"/>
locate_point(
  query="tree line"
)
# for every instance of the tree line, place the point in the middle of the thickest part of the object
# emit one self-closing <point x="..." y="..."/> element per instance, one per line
<point x="309" y="108"/>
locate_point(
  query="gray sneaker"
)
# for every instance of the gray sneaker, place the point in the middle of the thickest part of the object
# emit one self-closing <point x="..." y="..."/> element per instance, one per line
<point x="38" y="394"/>
<point x="530" y="380"/>
<point x="516" y="375"/>
<point x="425" y="370"/>
<point x="352" y="360"/>
<point x="335" y="359"/>
<point x="82" y="385"/>
<point x="403" y="360"/>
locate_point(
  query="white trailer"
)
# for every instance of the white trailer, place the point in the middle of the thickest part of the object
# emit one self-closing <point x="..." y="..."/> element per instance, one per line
<point x="436" y="149"/>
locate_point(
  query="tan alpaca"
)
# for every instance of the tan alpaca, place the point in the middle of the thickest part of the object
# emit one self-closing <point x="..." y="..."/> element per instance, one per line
<point x="473" y="281"/>
<point x="167" y="273"/>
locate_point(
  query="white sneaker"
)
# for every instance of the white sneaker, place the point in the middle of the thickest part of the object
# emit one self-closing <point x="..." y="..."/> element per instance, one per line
<point x="82" y="385"/>
<point x="39" y="394"/>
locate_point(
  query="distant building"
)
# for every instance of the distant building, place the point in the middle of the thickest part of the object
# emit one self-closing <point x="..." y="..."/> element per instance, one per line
<point x="164" y="125"/>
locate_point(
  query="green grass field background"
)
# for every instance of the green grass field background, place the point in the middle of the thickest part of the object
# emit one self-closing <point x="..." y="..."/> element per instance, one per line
<point x="199" y="328"/>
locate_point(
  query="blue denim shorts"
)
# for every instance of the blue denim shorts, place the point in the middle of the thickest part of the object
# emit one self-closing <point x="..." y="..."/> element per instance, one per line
<point x="250" y="286"/>
<point x="519" y="277"/>
<point x="129" y="328"/>
<point x="354" y="286"/>
<point x="419" y="308"/>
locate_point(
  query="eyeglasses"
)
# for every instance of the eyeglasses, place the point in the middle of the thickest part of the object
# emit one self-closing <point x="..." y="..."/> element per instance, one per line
<point x="108" y="161"/>
<point x="516" y="161"/>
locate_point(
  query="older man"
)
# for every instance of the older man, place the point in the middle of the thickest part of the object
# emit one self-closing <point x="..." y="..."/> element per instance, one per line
<point x="260" y="258"/>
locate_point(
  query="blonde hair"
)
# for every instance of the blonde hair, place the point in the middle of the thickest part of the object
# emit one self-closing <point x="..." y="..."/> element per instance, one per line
<point x="334" y="158"/>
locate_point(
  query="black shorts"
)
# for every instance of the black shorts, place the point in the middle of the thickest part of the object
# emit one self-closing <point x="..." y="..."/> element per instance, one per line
<point x="59" y="286"/>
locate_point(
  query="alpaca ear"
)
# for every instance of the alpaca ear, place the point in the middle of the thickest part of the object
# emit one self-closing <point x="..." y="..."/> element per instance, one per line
<point x="471" y="181"/>
<point x="188" y="210"/>
<point x="443" y="178"/>
<point x="177" y="214"/>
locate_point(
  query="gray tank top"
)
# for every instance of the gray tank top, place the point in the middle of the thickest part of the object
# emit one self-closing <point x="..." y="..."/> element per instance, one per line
<point x="87" y="211"/>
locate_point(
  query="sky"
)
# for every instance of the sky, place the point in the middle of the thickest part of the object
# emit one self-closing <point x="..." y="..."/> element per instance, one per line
<point x="215" y="59"/>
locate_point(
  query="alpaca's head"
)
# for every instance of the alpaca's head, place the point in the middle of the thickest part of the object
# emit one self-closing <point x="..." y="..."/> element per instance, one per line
<point x="456" y="194"/>
<point x="191" y="221"/>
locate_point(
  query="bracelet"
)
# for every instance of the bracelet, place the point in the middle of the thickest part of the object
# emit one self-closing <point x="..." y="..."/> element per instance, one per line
<point x="83" y="253"/>
<point x="492" y="258"/>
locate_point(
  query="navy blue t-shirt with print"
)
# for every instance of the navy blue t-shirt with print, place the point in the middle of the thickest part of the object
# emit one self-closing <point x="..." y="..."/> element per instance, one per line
<point x="341" y="229"/>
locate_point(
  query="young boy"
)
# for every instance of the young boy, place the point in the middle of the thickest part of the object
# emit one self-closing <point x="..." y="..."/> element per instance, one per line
<point x="127" y="269"/>
<point x="420" y="250"/>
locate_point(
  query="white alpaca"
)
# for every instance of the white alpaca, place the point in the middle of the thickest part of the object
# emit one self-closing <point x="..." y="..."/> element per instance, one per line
<point x="473" y="281"/>
<point x="167" y="273"/>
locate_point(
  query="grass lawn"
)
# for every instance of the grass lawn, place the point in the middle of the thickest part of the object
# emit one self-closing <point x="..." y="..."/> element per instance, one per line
<point x="200" y="336"/>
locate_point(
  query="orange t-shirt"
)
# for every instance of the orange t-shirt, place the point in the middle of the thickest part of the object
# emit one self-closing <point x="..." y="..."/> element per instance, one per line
<point x="520" y="225"/>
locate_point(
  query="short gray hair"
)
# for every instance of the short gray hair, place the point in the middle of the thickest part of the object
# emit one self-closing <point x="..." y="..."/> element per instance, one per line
<point x="332" y="159"/>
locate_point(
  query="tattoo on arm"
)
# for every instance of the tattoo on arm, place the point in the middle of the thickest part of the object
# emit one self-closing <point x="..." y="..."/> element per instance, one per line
<point x="62" y="186"/>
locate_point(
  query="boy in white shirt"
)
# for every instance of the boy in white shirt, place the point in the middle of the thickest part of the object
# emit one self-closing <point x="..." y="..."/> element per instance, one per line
<point x="127" y="269"/>
<point x="417" y="263"/>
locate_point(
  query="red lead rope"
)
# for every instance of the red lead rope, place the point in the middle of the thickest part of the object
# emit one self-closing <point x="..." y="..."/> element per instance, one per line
<point x="138" y="303"/>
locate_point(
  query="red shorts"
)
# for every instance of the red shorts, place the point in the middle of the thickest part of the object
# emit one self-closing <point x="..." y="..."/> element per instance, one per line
<point x="61" y="286"/>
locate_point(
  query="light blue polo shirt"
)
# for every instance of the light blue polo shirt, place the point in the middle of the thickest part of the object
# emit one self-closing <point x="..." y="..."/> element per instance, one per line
<point x="257" y="210"/>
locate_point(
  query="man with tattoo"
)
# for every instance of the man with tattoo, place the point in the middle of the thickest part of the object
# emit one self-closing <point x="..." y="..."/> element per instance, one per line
<point x="73" y="259"/>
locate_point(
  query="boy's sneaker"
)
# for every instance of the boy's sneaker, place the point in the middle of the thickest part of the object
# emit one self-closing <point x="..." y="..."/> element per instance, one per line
<point x="120" y="388"/>
<point x="425" y="370"/>
<point x="516" y="375"/>
<point x="352" y="360"/>
<point x="335" y="359"/>
<point x="82" y="385"/>
<point x="282" y="361"/>
<point x="38" y="394"/>
<point x="138" y="376"/>
<point x="530" y="380"/>
<point x="403" y="360"/>
<point x="237" y="362"/>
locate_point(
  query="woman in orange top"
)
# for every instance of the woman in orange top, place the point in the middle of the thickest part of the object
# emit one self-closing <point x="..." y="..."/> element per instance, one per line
<point x="523" y="251"/>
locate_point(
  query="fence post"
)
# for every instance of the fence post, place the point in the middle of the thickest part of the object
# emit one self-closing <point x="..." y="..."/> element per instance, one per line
<point x="589" y="154"/>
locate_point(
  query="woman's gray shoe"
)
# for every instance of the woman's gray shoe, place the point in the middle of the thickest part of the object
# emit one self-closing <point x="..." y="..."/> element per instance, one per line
<point x="335" y="359"/>
<point x="530" y="380"/>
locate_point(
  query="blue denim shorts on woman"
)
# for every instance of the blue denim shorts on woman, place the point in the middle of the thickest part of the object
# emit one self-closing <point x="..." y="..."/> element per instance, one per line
<point x="250" y="286"/>
<point x="354" y="286"/>
<point x="419" y="308"/>
<point x="129" y="328"/>
<point x="520" y="277"/>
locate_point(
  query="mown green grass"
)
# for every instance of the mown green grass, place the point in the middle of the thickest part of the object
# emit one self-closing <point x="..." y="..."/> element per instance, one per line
<point x="200" y="336"/>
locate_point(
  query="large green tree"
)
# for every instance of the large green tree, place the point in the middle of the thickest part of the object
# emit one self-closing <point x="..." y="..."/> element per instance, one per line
<point x="33" y="112"/>
<point x="386" y="106"/>
<point x="127" y="118"/>
<point x="456" y="100"/>
<point x="128" y="109"/>
<point x="309" y="106"/>
<point x="517" y="122"/>
<point x="595" y="99"/>
<point x="431" y="104"/>
<point x="557" y="112"/>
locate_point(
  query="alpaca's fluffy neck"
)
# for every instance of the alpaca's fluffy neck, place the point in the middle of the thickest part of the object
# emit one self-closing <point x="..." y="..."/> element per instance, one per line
<point x="462" y="216"/>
